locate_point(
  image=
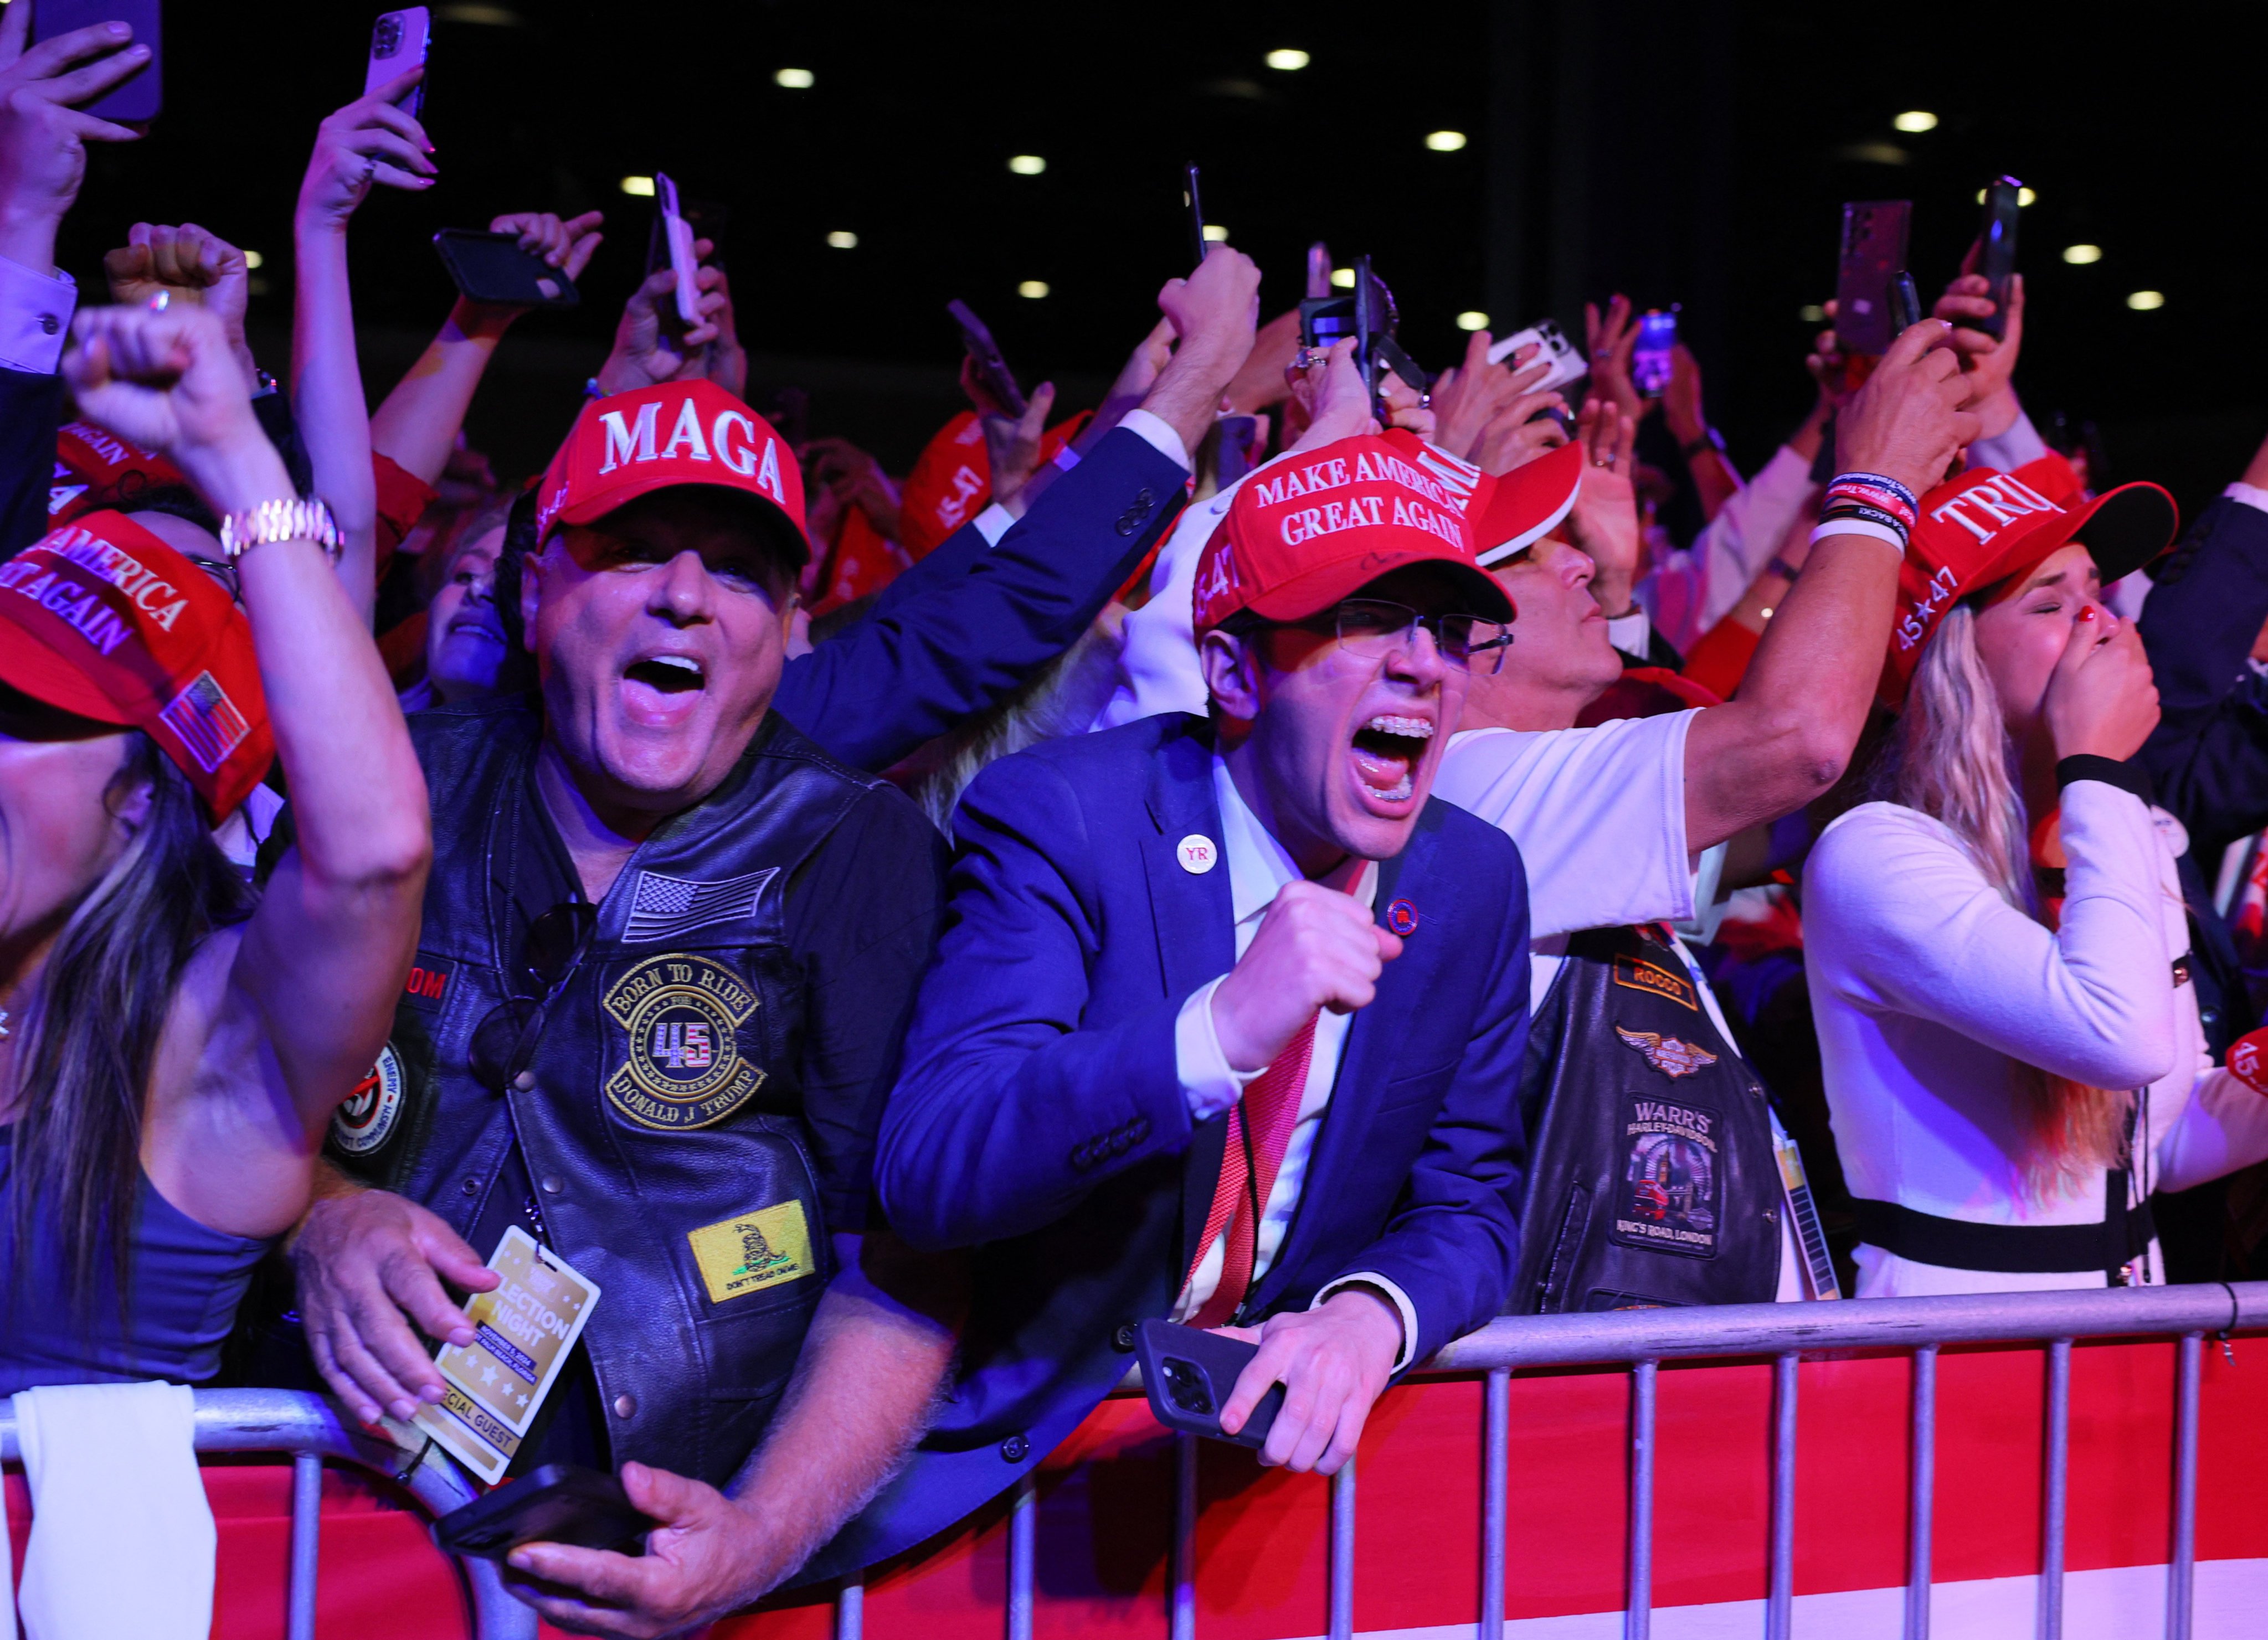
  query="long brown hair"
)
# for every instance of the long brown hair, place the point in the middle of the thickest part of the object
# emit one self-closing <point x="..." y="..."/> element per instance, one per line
<point x="103" y="997"/>
<point x="1952" y="758"/>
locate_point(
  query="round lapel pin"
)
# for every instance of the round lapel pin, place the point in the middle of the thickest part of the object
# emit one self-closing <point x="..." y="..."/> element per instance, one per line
<point x="1401" y="917"/>
<point x="1198" y="853"/>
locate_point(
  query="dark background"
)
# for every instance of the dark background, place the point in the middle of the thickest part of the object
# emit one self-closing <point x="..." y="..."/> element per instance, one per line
<point x="1696" y="152"/>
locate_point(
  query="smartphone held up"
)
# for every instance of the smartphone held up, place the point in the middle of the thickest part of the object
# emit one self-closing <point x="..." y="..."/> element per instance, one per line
<point x="398" y="43"/>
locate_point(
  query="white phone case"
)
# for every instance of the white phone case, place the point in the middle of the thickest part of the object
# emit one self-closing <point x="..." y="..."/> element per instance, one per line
<point x="680" y="234"/>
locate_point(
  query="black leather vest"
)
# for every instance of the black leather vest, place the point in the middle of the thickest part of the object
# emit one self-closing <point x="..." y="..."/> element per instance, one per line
<point x="1653" y="1177"/>
<point x="653" y="1094"/>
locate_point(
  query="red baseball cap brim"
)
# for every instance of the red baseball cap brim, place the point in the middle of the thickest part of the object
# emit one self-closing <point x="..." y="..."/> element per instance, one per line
<point x="1326" y="585"/>
<point x="2122" y="529"/>
<point x="29" y="665"/>
<point x="1528" y="504"/>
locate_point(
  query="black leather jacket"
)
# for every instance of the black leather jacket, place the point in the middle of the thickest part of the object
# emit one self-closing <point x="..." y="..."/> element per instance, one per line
<point x="658" y="1094"/>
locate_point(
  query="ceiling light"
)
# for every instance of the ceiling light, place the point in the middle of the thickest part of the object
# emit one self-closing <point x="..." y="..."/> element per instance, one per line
<point x="843" y="240"/>
<point x="1026" y="165"/>
<point x="640" y="187"/>
<point x="1343" y="278"/>
<point x="795" y="79"/>
<point x="1032" y="288"/>
<point x="1218" y="234"/>
<point x="2079" y="255"/>
<point x="486" y="16"/>
<point x="2147" y="301"/>
<point x="2024" y="196"/>
<point x="1445" y="142"/>
<point x="253" y="259"/>
<point x="1472" y="319"/>
<point x="1811" y="313"/>
<point x="1287" y="59"/>
<point x="1915" y="120"/>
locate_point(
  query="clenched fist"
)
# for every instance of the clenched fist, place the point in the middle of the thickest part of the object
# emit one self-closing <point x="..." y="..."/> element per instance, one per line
<point x="1317" y="948"/>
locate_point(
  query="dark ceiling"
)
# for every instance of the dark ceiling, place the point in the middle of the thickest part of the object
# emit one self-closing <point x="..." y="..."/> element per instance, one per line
<point x="2144" y="140"/>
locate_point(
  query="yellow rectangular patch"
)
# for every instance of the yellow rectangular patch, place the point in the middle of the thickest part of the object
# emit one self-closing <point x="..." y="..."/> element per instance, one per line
<point x="751" y="1251"/>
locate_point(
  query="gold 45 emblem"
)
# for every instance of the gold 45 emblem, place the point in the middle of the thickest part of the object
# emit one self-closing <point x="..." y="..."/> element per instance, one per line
<point x="684" y="1070"/>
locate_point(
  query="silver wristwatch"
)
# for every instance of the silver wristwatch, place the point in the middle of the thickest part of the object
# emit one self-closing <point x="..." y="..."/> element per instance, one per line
<point x="293" y="520"/>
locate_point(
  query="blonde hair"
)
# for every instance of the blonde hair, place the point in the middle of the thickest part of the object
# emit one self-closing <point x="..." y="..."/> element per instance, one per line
<point x="1952" y="759"/>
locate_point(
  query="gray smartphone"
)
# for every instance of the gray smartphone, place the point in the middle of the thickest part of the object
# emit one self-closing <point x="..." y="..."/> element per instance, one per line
<point x="140" y="97"/>
<point x="398" y="43"/>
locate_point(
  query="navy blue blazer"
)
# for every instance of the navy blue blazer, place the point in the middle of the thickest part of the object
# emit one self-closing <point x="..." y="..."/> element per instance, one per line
<point x="1039" y="1117"/>
<point x="967" y="627"/>
<point x="31" y="406"/>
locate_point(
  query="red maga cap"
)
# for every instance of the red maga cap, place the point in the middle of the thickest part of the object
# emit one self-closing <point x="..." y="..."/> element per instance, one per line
<point x="681" y="433"/>
<point x="1307" y="532"/>
<point x="1528" y="504"/>
<point x="95" y="468"/>
<point x="103" y="619"/>
<point x="1986" y="527"/>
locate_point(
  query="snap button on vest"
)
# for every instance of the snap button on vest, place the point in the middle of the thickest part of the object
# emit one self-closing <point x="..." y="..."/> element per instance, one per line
<point x="1015" y="1449"/>
<point x="551" y="1185"/>
<point x="1123" y="1340"/>
<point x="471" y="1186"/>
<point x="524" y="1081"/>
<point x="626" y="1406"/>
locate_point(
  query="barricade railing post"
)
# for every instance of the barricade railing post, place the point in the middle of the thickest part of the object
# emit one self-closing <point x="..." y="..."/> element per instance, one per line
<point x="2054" y="1484"/>
<point x="851" y="1607"/>
<point x="1183" y="1623"/>
<point x="1342" y="1601"/>
<point x="1496" y="1443"/>
<point x="1779" y="1600"/>
<point x="1638" y="1615"/>
<point x="1921" y="1503"/>
<point x="2181" y="1576"/>
<point x="1019" y="1560"/>
<point x="307" y="1544"/>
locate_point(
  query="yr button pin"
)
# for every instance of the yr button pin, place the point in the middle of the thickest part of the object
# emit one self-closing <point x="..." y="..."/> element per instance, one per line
<point x="1199" y="854"/>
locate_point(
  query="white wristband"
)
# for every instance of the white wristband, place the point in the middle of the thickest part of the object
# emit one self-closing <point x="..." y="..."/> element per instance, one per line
<point x="1859" y="526"/>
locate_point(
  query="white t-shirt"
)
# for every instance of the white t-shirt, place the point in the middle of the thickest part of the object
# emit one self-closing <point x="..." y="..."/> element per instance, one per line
<point x="1600" y="818"/>
<point x="1926" y="984"/>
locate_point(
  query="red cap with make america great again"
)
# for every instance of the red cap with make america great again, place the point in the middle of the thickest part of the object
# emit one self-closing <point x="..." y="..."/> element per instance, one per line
<point x="633" y="443"/>
<point x="103" y="619"/>
<point x="1308" y="531"/>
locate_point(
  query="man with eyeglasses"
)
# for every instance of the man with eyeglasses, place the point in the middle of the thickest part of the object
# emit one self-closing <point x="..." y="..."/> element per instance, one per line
<point x="1214" y="1032"/>
<point x="1661" y="1175"/>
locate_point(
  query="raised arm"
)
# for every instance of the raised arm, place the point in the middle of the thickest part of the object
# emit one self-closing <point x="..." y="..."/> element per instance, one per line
<point x="416" y="427"/>
<point x="322" y="959"/>
<point x="1787" y="735"/>
<point x="369" y="141"/>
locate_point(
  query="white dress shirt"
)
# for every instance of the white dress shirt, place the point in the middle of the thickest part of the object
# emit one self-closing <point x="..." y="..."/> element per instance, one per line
<point x="35" y="316"/>
<point x="1258" y="868"/>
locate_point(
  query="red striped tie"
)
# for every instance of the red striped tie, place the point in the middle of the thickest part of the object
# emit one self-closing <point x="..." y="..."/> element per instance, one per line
<point x="1270" y="1106"/>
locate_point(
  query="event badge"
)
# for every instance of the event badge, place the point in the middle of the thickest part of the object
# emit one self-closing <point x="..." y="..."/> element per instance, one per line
<point x="1810" y="1236"/>
<point x="522" y="1334"/>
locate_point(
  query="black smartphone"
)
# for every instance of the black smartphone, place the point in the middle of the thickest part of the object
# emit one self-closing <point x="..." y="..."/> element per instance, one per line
<point x="1367" y="313"/>
<point x="1996" y="249"/>
<point x="560" y="1503"/>
<point x="991" y="369"/>
<point x="1189" y="1374"/>
<point x="398" y="43"/>
<point x="139" y="97"/>
<point x="491" y="268"/>
<point x="1191" y="204"/>
<point x="1905" y="303"/>
<point x="1873" y="250"/>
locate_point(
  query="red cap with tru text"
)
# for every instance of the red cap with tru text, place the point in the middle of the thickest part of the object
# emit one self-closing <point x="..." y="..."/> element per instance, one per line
<point x="633" y="443"/>
<point x="1984" y="529"/>
<point x="103" y="619"/>
<point x="1307" y="532"/>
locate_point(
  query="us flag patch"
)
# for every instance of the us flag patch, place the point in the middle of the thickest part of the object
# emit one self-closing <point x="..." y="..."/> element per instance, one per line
<point x="206" y="721"/>
<point x="664" y="907"/>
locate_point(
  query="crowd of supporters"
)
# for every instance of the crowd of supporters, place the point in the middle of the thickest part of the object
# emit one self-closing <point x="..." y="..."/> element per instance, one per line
<point x="1290" y="850"/>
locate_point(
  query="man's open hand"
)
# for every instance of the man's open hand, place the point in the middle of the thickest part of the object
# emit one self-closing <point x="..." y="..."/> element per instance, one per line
<point x="1317" y="948"/>
<point x="651" y="346"/>
<point x="707" y="1557"/>
<point x="1989" y="365"/>
<point x="42" y="137"/>
<point x="1333" y="1362"/>
<point x="1907" y="422"/>
<point x="369" y="1263"/>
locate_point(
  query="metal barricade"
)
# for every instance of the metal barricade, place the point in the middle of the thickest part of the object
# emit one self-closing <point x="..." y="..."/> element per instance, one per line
<point x="309" y="1427"/>
<point x="1785" y="1333"/>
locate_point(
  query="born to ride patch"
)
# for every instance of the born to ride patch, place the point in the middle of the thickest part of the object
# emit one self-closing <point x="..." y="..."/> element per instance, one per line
<point x="753" y="1251"/>
<point x="366" y="1119"/>
<point x="685" y="1069"/>
<point x="1655" y="981"/>
<point x="1673" y="1192"/>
